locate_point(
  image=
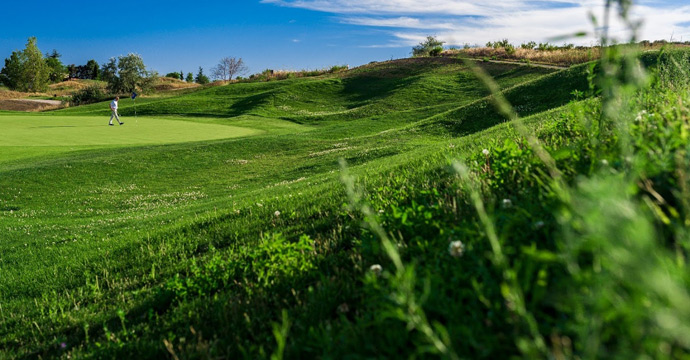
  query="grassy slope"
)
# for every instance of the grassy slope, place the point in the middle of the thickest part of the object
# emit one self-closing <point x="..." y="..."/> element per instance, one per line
<point x="104" y="230"/>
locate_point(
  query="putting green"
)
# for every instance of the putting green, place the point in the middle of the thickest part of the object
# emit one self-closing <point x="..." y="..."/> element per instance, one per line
<point x="23" y="130"/>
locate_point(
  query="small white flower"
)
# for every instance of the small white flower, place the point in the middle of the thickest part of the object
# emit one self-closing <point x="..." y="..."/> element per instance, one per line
<point x="376" y="269"/>
<point x="485" y="152"/>
<point x="381" y="211"/>
<point x="456" y="248"/>
<point x="605" y="162"/>
<point x="507" y="203"/>
<point x="539" y="224"/>
<point x="343" y="308"/>
<point x="277" y="213"/>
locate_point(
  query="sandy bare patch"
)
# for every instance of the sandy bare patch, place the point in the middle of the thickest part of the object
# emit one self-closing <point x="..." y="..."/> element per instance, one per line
<point x="29" y="105"/>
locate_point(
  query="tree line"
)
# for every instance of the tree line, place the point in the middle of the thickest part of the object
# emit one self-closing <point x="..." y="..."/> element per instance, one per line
<point x="29" y="70"/>
<point x="227" y="68"/>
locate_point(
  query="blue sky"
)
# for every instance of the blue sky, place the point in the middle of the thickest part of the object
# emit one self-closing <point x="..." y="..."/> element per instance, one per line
<point x="302" y="34"/>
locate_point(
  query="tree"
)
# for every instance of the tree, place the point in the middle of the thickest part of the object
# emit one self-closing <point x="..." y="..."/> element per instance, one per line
<point x="228" y="67"/>
<point x="55" y="54"/>
<point x="181" y="75"/>
<point x="35" y="72"/>
<point x="131" y="70"/>
<point x="56" y="70"/>
<point x="190" y="77"/>
<point x="11" y="74"/>
<point x="173" y="75"/>
<point x="127" y="74"/>
<point x="201" y="78"/>
<point x="26" y="70"/>
<point x="426" y="47"/>
<point x="109" y="71"/>
<point x="92" y="69"/>
<point x="219" y="72"/>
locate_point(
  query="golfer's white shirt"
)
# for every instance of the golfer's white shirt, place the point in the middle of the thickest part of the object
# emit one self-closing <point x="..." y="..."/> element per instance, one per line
<point x="113" y="105"/>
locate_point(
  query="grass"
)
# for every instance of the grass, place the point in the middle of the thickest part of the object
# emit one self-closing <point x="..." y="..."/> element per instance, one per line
<point x="168" y="84"/>
<point x="192" y="247"/>
<point x="64" y="132"/>
<point x="558" y="56"/>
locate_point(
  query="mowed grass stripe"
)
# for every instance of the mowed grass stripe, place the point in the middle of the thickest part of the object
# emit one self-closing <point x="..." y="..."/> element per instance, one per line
<point x="94" y="131"/>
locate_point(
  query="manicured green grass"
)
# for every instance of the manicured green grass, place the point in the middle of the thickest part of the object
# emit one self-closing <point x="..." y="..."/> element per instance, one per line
<point x="64" y="131"/>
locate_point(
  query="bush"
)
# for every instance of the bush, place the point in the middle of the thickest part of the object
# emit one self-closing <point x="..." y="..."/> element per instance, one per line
<point x="338" y="68"/>
<point x="529" y="45"/>
<point x="426" y="47"/>
<point x="89" y="95"/>
<point x="436" y="51"/>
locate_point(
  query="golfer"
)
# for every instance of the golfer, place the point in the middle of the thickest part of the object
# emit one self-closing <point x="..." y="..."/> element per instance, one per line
<point x="113" y="108"/>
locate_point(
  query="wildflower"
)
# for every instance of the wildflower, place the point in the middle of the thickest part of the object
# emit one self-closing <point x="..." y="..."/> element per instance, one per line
<point x="277" y="213"/>
<point x="485" y="152"/>
<point x="507" y="203"/>
<point x="63" y="345"/>
<point x="343" y="308"/>
<point x="376" y="269"/>
<point x="539" y="224"/>
<point x="381" y="211"/>
<point x="456" y="248"/>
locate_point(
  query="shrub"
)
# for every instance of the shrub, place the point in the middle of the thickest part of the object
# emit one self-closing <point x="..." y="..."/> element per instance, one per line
<point x="529" y="45"/>
<point x="89" y="95"/>
<point x="436" y="51"/>
<point x="425" y="47"/>
<point x="338" y="68"/>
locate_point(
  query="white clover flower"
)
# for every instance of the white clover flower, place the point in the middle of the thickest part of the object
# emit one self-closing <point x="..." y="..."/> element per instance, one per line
<point x="277" y="213"/>
<point x="485" y="152"/>
<point x="343" y="308"/>
<point x="376" y="269"/>
<point x="456" y="248"/>
<point x="507" y="203"/>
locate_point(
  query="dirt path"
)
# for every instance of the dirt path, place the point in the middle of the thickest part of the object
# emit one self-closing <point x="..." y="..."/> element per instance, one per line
<point x="29" y="104"/>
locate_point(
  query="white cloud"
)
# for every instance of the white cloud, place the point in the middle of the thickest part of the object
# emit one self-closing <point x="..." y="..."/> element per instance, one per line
<point x="478" y="21"/>
<point x="399" y="22"/>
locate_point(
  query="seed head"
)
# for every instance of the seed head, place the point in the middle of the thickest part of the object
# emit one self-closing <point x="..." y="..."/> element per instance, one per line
<point x="485" y="152"/>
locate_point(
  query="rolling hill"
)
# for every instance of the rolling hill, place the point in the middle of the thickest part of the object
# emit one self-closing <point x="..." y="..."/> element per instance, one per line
<point x="227" y="221"/>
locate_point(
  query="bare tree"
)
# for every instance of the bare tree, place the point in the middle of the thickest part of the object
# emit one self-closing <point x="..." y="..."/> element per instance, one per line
<point x="228" y="68"/>
<point x="219" y="72"/>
